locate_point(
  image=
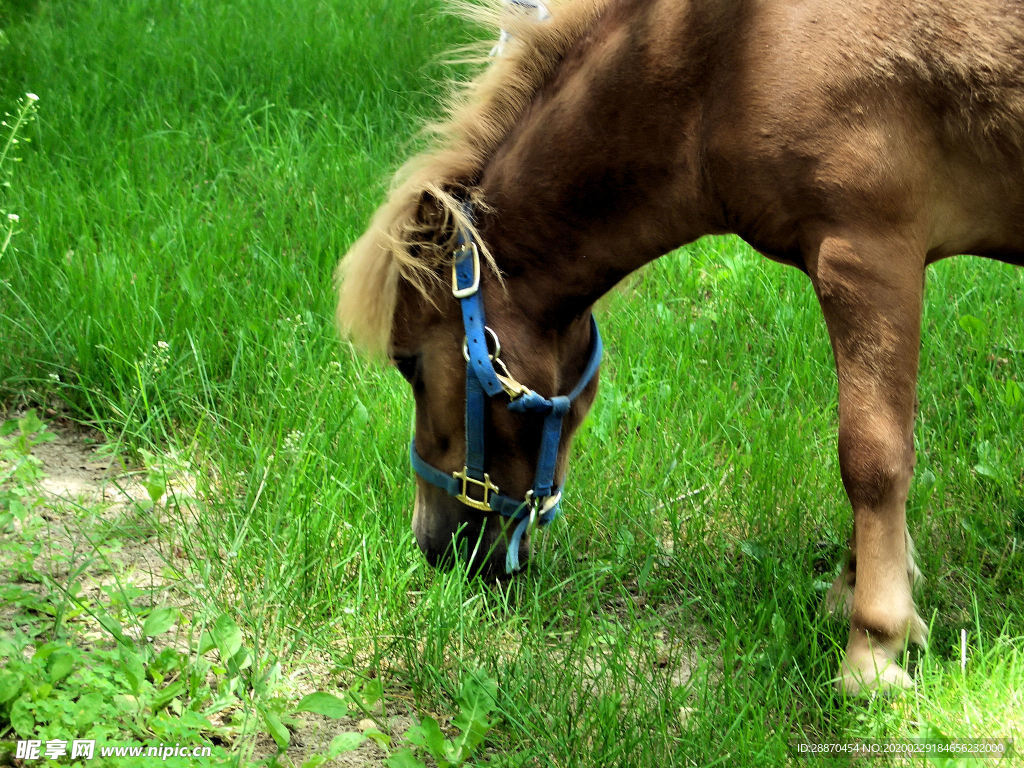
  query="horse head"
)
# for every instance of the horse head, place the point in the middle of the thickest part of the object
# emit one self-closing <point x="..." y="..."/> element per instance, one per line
<point x="500" y="380"/>
<point x="500" y="384"/>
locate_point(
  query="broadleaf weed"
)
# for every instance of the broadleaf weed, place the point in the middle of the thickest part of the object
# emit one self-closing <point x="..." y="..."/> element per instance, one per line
<point x="20" y="471"/>
<point x="477" y="701"/>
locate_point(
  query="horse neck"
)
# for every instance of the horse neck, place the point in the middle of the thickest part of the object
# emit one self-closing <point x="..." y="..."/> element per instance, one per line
<point x="601" y="173"/>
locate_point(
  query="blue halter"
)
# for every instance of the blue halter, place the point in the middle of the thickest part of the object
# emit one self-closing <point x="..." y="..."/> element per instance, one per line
<point x="541" y="504"/>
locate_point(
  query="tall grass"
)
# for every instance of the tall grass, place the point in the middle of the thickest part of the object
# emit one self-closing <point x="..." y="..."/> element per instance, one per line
<point x="196" y="171"/>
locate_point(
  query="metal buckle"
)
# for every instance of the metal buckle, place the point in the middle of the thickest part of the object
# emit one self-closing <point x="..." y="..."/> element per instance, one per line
<point x="492" y="356"/>
<point x="483" y="505"/>
<point x="539" y="506"/>
<point x="512" y="387"/>
<point x="550" y="502"/>
<point x="464" y="253"/>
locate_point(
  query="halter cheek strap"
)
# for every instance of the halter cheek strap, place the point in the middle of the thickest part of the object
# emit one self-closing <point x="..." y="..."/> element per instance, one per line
<point x="541" y="503"/>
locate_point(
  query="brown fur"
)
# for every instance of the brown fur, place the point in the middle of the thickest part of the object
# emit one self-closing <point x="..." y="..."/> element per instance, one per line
<point x="857" y="141"/>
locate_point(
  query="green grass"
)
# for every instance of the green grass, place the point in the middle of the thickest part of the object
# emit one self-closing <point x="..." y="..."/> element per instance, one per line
<point x="195" y="172"/>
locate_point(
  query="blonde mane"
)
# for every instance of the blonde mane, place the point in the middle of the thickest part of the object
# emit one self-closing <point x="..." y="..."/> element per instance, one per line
<point x="401" y="243"/>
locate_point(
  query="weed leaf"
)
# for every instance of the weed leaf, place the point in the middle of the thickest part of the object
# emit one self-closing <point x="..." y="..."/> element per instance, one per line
<point x="428" y="735"/>
<point x="10" y="685"/>
<point x="973" y="326"/>
<point x="477" y="701"/>
<point x="404" y="758"/>
<point x="224" y="635"/>
<point x="382" y="739"/>
<point x="159" y="621"/>
<point x="345" y="742"/>
<point x="276" y="728"/>
<point x="134" y="671"/>
<point x="22" y="721"/>
<point x="61" y="664"/>
<point x="326" y="704"/>
<point x="113" y="626"/>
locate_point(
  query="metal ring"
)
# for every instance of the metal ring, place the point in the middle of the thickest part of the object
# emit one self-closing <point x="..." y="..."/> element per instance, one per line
<point x="497" y="346"/>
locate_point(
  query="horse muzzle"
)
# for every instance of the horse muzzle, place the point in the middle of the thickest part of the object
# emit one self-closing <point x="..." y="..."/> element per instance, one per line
<point x="450" y="534"/>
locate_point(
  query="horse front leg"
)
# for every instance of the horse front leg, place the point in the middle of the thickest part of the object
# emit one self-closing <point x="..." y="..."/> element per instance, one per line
<point x="870" y="291"/>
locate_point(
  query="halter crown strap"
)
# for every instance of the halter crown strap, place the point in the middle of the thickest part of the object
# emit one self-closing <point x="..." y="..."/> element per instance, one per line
<point x="541" y="504"/>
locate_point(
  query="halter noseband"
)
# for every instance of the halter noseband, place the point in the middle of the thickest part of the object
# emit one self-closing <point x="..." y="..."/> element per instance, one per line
<point x="541" y="503"/>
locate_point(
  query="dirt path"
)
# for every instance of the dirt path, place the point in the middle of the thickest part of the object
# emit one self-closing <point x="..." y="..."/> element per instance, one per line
<point x="95" y="525"/>
<point x="96" y="530"/>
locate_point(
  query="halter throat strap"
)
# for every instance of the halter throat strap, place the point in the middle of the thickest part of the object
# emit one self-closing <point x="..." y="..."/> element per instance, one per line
<point x="483" y="381"/>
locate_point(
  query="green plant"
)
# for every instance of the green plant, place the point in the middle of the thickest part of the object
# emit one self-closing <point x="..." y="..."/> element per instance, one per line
<point x="20" y="471"/>
<point x="15" y="126"/>
<point x="130" y="690"/>
<point x="476" y="702"/>
<point x="20" y="496"/>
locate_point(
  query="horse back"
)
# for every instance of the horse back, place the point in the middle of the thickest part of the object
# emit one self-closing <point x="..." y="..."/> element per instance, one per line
<point x="908" y="115"/>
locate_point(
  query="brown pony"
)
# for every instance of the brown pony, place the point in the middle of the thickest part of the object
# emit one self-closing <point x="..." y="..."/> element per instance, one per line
<point x="856" y="141"/>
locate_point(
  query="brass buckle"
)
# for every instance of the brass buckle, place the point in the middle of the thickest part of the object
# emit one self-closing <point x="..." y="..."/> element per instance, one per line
<point x="483" y="505"/>
<point x="512" y="387"/>
<point x="464" y="253"/>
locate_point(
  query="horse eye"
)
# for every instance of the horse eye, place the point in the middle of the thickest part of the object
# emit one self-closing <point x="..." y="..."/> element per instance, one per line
<point x="407" y="366"/>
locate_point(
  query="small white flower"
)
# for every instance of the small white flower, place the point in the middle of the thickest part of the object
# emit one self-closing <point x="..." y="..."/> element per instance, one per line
<point x="163" y="345"/>
<point x="13" y="217"/>
<point x="31" y="97"/>
<point x="293" y="440"/>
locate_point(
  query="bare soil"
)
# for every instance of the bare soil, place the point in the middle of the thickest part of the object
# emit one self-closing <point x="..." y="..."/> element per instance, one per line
<point x="102" y="531"/>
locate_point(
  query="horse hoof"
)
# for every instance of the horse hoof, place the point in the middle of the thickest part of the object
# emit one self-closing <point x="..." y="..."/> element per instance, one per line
<point x="870" y="671"/>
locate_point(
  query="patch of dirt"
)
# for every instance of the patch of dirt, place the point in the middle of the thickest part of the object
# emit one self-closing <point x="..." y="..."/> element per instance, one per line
<point x="314" y="735"/>
<point x="74" y="471"/>
<point x="97" y="527"/>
